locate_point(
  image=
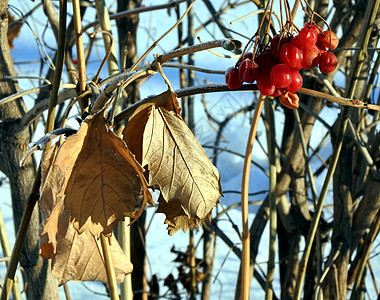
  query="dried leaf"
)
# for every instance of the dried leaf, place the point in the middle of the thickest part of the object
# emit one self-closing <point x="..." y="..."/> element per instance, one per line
<point x="13" y="31"/>
<point x="105" y="179"/>
<point x="133" y="132"/>
<point x="181" y="168"/>
<point x="176" y="218"/>
<point x="80" y="257"/>
<point x="55" y="227"/>
<point x="51" y="200"/>
<point x="98" y="178"/>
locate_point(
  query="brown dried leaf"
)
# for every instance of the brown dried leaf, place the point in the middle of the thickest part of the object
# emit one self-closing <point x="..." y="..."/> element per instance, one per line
<point x="133" y="132"/>
<point x="54" y="229"/>
<point x="13" y="31"/>
<point x="80" y="257"/>
<point x="176" y="218"/>
<point x="105" y="179"/>
<point x="181" y="168"/>
<point x="51" y="200"/>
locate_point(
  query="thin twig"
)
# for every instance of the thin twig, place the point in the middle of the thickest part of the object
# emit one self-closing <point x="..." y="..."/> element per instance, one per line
<point x="244" y="201"/>
<point x="118" y="81"/>
<point x="372" y="9"/>
<point x="20" y="238"/>
<point x="109" y="48"/>
<point x="327" y="268"/>
<point x="34" y="90"/>
<point x="135" y="11"/>
<point x="105" y="25"/>
<point x="156" y="42"/>
<point x="364" y="259"/>
<point x="111" y="275"/>
<point x="58" y="67"/>
<point x="80" y="50"/>
<point x="194" y="68"/>
<point x="41" y="106"/>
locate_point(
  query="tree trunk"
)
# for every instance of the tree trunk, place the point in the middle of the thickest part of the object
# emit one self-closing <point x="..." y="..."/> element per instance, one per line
<point x="13" y="145"/>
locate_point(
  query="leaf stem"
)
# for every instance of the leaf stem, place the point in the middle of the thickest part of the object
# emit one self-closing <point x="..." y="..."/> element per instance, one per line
<point x="245" y="286"/>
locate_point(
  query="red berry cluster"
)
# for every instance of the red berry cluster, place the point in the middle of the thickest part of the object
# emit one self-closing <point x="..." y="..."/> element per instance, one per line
<point x="276" y="67"/>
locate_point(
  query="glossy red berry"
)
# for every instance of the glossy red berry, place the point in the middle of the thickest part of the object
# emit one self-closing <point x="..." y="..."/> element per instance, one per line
<point x="248" y="55"/>
<point x="277" y="44"/>
<point x="280" y="76"/>
<point x="291" y="56"/>
<point x="306" y="38"/>
<point x="265" y="85"/>
<point x="327" y="62"/>
<point x="310" y="57"/>
<point x="324" y="40"/>
<point x="265" y="61"/>
<point x="296" y="81"/>
<point x="277" y="92"/>
<point x="290" y="100"/>
<point x="314" y="27"/>
<point x="248" y="71"/>
<point x="232" y="78"/>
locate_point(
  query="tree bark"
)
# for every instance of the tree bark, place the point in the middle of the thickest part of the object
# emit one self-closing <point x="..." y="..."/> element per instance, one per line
<point x="13" y="145"/>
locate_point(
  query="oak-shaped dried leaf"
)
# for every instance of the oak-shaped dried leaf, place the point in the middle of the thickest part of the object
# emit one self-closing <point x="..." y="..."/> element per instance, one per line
<point x="188" y="181"/>
<point x="80" y="257"/>
<point x="105" y="181"/>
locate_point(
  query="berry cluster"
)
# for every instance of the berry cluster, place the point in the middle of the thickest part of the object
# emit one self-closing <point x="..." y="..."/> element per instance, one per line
<point x="276" y="67"/>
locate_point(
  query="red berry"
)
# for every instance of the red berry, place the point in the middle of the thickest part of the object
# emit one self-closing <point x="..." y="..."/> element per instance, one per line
<point x="248" y="55"/>
<point x="248" y="71"/>
<point x="232" y="78"/>
<point x="291" y="55"/>
<point x="265" y="61"/>
<point x="276" y="44"/>
<point x="280" y="76"/>
<point x="296" y="81"/>
<point x="314" y="27"/>
<point x="264" y="84"/>
<point x="277" y="93"/>
<point x="327" y="62"/>
<point x="306" y="38"/>
<point x="324" y="40"/>
<point x="75" y="61"/>
<point x="290" y="100"/>
<point x="310" y="57"/>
